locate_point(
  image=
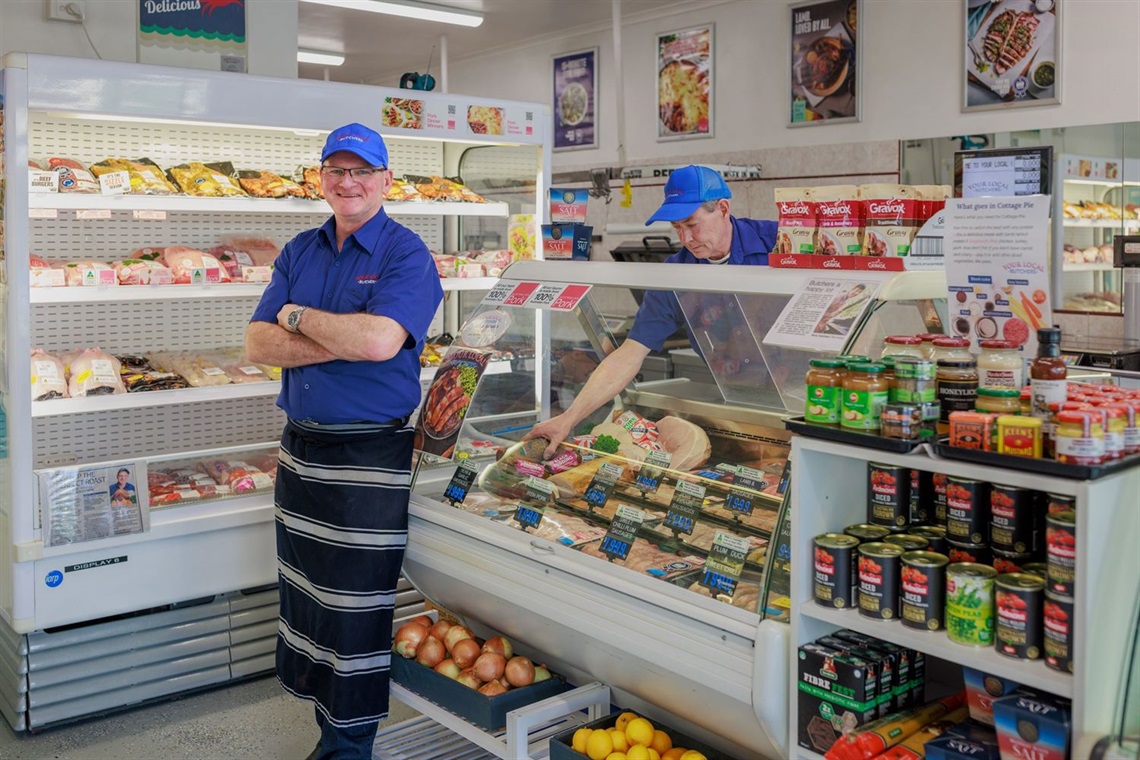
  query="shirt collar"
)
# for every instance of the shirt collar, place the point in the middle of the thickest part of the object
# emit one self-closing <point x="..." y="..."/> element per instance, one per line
<point x="366" y="237"/>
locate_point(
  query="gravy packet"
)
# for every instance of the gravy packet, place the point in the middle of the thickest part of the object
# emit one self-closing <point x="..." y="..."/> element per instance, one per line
<point x="796" y="233"/>
<point x="891" y="217"/>
<point x="839" y="216"/>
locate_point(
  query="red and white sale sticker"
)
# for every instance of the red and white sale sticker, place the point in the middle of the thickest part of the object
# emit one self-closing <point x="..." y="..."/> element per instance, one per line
<point x="569" y="297"/>
<point x="521" y="294"/>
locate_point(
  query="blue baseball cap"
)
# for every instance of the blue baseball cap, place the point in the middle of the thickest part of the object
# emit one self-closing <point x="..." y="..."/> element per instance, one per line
<point x="358" y="139"/>
<point x="688" y="188"/>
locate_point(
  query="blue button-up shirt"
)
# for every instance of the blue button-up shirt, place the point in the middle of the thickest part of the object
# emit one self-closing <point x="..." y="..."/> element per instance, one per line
<point x="660" y="314"/>
<point x="383" y="269"/>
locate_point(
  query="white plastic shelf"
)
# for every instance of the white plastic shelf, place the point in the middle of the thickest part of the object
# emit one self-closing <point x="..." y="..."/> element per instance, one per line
<point x="60" y="406"/>
<point x="1033" y="673"/>
<point x="1099" y="266"/>
<point x="1106" y="223"/>
<point x="468" y="283"/>
<point x="81" y="201"/>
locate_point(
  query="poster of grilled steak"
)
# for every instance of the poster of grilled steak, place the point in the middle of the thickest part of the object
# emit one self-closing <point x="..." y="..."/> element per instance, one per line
<point x="1012" y="53"/>
<point x="824" y="43"/>
<point x="448" y="400"/>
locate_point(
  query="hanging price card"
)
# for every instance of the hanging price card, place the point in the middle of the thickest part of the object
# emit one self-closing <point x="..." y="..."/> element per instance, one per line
<point x="461" y="482"/>
<point x="528" y="516"/>
<point x="538" y="490"/>
<point x="602" y="485"/>
<point x="545" y="295"/>
<point x="725" y="563"/>
<point x="685" y="507"/>
<point x="623" y="529"/>
<point x="649" y="477"/>
<point x="499" y="293"/>
<point x="747" y="483"/>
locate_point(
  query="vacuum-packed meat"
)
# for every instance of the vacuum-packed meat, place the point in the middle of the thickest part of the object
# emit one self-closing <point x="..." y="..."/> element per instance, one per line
<point x="183" y="261"/>
<point x="49" y="379"/>
<point x="94" y="373"/>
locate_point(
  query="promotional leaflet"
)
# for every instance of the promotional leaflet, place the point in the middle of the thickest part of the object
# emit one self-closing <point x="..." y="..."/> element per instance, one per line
<point x="448" y="400"/>
<point x="997" y="269"/>
<point x="821" y="315"/>
<point x="87" y="504"/>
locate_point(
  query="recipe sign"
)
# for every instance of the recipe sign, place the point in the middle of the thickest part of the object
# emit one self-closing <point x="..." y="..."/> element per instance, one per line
<point x="576" y="100"/>
<point x="821" y="315"/>
<point x="997" y="269"/>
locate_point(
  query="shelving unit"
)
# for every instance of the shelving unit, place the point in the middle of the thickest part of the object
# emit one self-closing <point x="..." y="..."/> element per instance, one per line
<point x="829" y="492"/>
<point x="185" y="203"/>
<point x="121" y="401"/>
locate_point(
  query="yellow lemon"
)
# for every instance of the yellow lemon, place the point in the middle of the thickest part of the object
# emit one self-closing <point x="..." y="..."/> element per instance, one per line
<point x="693" y="755"/>
<point x="616" y="756"/>
<point x="637" y="752"/>
<point x="599" y="745"/>
<point x="661" y="742"/>
<point x="623" y="720"/>
<point x="581" y="736"/>
<point x="621" y="744"/>
<point x="639" y="731"/>
<point x="674" y="754"/>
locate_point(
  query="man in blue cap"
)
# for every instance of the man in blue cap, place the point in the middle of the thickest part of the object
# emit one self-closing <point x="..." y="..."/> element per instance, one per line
<point x="697" y="205"/>
<point x="345" y="315"/>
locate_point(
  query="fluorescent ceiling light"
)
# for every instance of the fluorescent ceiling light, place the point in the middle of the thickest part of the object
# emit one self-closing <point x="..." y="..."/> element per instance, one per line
<point x="408" y="9"/>
<point x="326" y="59"/>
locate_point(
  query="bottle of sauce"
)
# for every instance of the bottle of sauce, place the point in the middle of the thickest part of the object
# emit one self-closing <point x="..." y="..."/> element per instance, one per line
<point x="1048" y="383"/>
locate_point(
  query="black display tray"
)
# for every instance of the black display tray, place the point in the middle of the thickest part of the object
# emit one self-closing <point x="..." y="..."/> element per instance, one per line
<point x="799" y="426"/>
<point x="942" y="448"/>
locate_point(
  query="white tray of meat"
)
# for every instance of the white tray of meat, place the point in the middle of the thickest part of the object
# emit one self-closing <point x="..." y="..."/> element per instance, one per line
<point x="1007" y="41"/>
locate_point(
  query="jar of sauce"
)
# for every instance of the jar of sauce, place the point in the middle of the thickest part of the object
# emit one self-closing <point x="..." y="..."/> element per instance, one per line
<point x="928" y="342"/>
<point x="1026" y="402"/>
<point x="1131" y="432"/>
<point x="1079" y="438"/>
<point x="1048" y="375"/>
<point x="1115" y="422"/>
<point x="951" y="348"/>
<point x="865" y="393"/>
<point x="914" y="381"/>
<point x="902" y="345"/>
<point x="1000" y="364"/>
<point x="852" y="359"/>
<point x="824" y="390"/>
<point x="999" y="400"/>
<point x="957" y="386"/>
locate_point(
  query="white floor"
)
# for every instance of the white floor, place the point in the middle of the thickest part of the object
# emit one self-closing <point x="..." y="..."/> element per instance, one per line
<point x="253" y="719"/>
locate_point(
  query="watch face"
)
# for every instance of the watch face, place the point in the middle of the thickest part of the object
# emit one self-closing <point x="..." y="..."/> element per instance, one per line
<point x="294" y="319"/>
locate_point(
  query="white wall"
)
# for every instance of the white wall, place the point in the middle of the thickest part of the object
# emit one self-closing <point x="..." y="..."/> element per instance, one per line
<point x="271" y="32"/>
<point x="912" y="60"/>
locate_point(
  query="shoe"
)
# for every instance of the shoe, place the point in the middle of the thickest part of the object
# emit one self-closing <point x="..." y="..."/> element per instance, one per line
<point x="316" y="753"/>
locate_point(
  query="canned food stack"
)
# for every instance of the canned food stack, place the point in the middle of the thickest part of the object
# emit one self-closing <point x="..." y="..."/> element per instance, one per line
<point x="978" y="575"/>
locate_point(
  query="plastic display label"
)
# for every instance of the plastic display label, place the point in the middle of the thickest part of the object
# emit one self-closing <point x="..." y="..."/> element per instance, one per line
<point x="87" y="214"/>
<point x="747" y="483"/>
<point x="600" y="488"/>
<point x="725" y="563"/>
<point x="461" y="481"/>
<point x="538" y="490"/>
<point x="529" y="516"/>
<point x="149" y="215"/>
<point x="652" y="469"/>
<point x="114" y="183"/>
<point x="623" y="530"/>
<point x="685" y="507"/>
<point x="42" y="182"/>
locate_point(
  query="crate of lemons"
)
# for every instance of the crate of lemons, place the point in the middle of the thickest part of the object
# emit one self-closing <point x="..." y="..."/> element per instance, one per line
<point x="630" y="738"/>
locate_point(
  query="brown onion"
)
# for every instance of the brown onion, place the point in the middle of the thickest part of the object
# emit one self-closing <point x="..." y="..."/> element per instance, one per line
<point x="465" y="653"/>
<point x="469" y="679"/>
<point x="430" y="652"/>
<point x="541" y="673"/>
<point x="499" y="645"/>
<point x="448" y="668"/>
<point x="408" y="639"/>
<point x="439" y="630"/>
<point x="489" y="666"/>
<point x="519" y="671"/>
<point x="455" y="633"/>
<point x="423" y="620"/>
<point x="492" y="689"/>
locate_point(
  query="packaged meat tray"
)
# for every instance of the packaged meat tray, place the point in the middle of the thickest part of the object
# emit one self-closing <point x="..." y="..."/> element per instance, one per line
<point x="145" y="176"/>
<point x="73" y="176"/>
<point x="49" y="377"/>
<point x="183" y="261"/>
<point x="139" y="375"/>
<point x="205" y="181"/>
<point x="263" y="184"/>
<point x="199" y="370"/>
<point x="140" y="272"/>
<point x="78" y="273"/>
<point x="562" y="527"/>
<point x="94" y="372"/>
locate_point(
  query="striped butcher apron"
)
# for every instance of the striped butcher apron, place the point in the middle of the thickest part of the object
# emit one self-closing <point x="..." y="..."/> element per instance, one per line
<point x="342" y="524"/>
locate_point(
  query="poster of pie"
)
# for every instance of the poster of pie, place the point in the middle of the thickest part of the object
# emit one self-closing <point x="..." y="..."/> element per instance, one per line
<point x="685" y="84"/>
<point x="824" y="85"/>
<point x="485" y="120"/>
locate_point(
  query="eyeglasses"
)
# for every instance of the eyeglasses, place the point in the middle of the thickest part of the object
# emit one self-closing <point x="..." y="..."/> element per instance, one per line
<point x="363" y="172"/>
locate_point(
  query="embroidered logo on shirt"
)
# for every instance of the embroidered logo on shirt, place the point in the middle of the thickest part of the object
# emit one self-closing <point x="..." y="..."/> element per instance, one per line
<point x="367" y="279"/>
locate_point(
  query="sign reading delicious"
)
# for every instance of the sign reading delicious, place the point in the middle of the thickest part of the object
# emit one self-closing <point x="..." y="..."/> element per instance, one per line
<point x="203" y="25"/>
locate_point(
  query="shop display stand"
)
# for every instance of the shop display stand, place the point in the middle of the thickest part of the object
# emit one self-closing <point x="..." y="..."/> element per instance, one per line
<point x="829" y="493"/>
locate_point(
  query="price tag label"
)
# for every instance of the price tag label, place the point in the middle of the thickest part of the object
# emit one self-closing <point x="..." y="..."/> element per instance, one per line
<point x="528" y="516"/>
<point x="499" y="292"/>
<point x="685" y="507"/>
<point x="461" y="481"/>
<point x="93" y="213"/>
<point x="746" y="484"/>
<point x="545" y="296"/>
<point x="649" y="476"/>
<point x="570" y="296"/>
<point x="115" y="183"/>
<point x="725" y="563"/>
<point x="42" y="182"/>
<point x="602" y="485"/>
<point x="256" y="274"/>
<point x="100" y="278"/>
<point x="538" y="490"/>
<point x="149" y="215"/>
<point x="161" y="277"/>
<point x="623" y="530"/>
<point x="43" y="213"/>
<point x="521" y="293"/>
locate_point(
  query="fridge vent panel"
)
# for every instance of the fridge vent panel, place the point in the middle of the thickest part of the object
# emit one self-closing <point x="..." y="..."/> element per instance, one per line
<point x="154" y="431"/>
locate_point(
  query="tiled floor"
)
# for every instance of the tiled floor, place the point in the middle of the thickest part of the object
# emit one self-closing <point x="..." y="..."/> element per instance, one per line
<point x="254" y="720"/>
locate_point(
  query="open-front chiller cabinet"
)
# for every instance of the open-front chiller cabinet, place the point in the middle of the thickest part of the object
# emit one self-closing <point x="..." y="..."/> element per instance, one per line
<point x="69" y="553"/>
<point x="651" y="552"/>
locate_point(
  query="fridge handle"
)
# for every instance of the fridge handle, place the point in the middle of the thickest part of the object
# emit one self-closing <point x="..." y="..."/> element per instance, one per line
<point x="770" y="681"/>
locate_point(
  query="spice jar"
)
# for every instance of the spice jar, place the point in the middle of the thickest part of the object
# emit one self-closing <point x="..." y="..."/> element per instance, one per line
<point x="914" y="381"/>
<point x="928" y="342"/>
<point x="1000" y="364"/>
<point x="951" y="348"/>
<point x="902" y="345"/>
<point x="824" y="386"/>
<point x="1079" y="438"/>
<point x="902" y="421"/>
<point x="998" y="400"/>
<point x="865" y="392"/>
<point x="957" y="386"/>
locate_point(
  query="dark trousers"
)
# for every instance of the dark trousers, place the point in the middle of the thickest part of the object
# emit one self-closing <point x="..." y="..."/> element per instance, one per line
<point x="344" y="743"/>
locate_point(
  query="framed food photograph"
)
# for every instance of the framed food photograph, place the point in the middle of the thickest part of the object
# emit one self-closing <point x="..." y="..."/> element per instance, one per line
<point x="685" y="84"/>
<point x="576" y="100"/>
<point x="824" y="76"/>
<point x="1012" y="53"/>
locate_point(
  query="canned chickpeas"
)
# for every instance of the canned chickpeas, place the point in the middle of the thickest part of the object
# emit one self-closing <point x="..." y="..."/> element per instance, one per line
<point x="1019" y="598"/>
<point x="879" y="568"/>
<point x="923" y="590"/>
<point x="835" y="570"/>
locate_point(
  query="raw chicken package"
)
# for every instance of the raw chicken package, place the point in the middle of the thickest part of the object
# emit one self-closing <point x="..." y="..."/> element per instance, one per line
<point x="94" y="373"/>
<point x="183" y="261"/>
<point x="49" y="378"/>
<point x="198" y="370"/>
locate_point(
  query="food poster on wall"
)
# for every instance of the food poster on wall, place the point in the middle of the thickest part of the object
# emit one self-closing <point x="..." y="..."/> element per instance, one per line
<point x="997" y="269"/>
<point x="821" y="315"/>
<point x="685" y="84"/>
<point x="824" y="44"/>
<point x="575" y="100"/>
<point x="91" y="503"/>
<point x="448" y="400"/>
<point x="1012" y="53"/>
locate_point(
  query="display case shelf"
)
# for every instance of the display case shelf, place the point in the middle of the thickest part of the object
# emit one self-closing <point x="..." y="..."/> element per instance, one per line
<point x="1114" y="224"/>
<point x="81" y="202"/>
<point x="122" y="401"/>
<point x="1031" y="673"/>
<point x="1099" y="266"/>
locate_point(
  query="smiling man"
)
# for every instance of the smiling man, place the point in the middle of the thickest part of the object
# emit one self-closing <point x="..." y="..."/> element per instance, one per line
<point x="345" y="316"/>
<point x="697" y="205"/>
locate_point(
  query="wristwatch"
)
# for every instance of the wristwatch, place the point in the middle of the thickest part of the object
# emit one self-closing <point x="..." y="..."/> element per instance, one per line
<point x="293" y="321"/>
